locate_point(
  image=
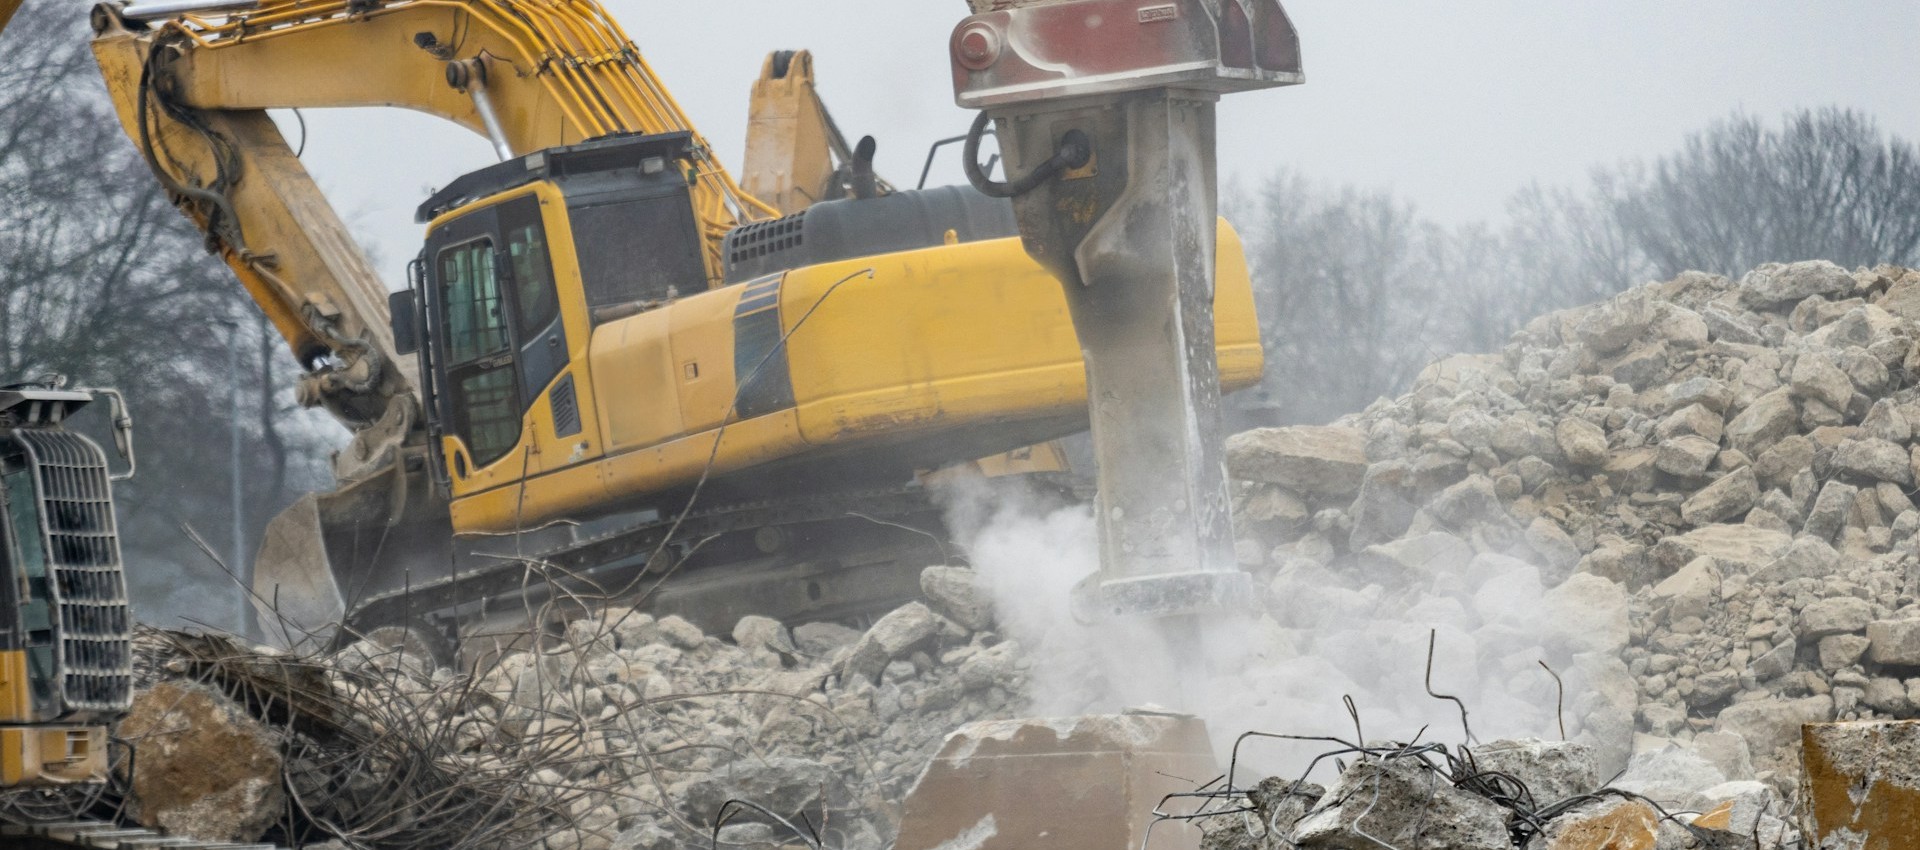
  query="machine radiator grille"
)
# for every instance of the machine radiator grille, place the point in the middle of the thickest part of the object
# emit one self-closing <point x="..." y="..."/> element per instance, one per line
<point x="93" y="641"/>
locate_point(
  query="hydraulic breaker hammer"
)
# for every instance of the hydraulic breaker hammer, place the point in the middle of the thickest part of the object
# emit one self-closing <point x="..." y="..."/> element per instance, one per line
<point x="1104" y="114"/>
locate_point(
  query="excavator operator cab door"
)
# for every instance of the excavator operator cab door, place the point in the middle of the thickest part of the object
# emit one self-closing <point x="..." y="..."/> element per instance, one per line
<point x="493" y="315"/>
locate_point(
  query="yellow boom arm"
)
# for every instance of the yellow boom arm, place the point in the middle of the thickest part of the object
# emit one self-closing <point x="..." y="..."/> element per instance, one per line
<point x="529" y="74"/>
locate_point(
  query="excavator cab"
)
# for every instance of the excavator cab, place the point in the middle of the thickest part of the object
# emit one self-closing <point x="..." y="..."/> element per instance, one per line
<point x="66" y="662"/>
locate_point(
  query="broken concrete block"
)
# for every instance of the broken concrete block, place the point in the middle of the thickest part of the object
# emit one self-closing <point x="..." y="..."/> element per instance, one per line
<point x="1894" y="642"/>
<point x="1686" y="456"/>
<point x="957" y="593"/>
<point x="1860" y="784"/>
<point x="680" y="634"/>
<point x="1610" y="823"/>
<point x="1402" y="806"/>
<point x="1834" y="616"/>
<point x="893" y="636"/>
<point x="1727" y="752"/>
<point x="206" y="768"/>
<point x="1423" y="555"/>
<point x="1817" y="378"/>
<point x="1774" y="284"/>
<point x="1692" y="591"/>
<point x="1731" y="496"/>
<point x="1736" y="548"/>
<point x="787" y="786"/>
<point x="988" y="788"/>
<point x="1873" y="460"/>
<point x="1764" y="422"/>
<point x="1771" y="725"/>
<point x="1838" y="652"/>
<point x="1587" y="613"/>
<point x="821" y="640"/>
<point x="1582" y="442"/>
<point x="756" y="632"/>
<point x="1552" y="770"/>
<point x="1329" y="460"/>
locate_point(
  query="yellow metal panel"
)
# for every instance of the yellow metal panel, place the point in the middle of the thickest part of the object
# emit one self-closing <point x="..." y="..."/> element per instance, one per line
<point x="16" y="689"/>
<point x="973" y="333"/>
<point x="674" y="463"/>
<point x="703" y="357"/>
<point x="953" y="337"/>
<point x="52" y="755"/>
<point x="636" y="379"/>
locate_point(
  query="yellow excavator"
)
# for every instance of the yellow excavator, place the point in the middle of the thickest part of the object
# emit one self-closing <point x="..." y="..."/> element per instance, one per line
<point x="615" y="364"/>
<point x="66" y="663"/>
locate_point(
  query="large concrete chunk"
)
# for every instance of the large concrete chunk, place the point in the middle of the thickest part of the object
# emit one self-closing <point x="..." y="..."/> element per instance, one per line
<point x="1728" y="498"/>
<point x="1552" y="770"/>
<point x="205" y="768"/>
<point x="1610" y="823"/>
<point x="1395" y="803"/>
<point x="1771" y="725"/>
<point x="896" y="633"/>
<point x="1839" y="615"/>
<point x="1862" y="784"/>
<point x="1773" y="284"/>
<point x="1768" y="419"/>
<point x="789" y="787"/>
<point x="1329" y="459"/>
<point x="1736" y="548"/>
<point x="957" y="593"/>
<point x="1894" y="642"/>
<point x="1077" y="783"/>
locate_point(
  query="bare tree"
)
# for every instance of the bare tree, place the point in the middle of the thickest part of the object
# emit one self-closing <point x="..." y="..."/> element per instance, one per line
<point x="1330" y="270"/>
<point x="102" y="281"/>
<point x="1827" y="184"/>
<point x="1357" y="292"/>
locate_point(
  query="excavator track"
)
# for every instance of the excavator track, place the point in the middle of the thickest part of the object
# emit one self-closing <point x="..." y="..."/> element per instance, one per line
<point x="841" y="556"/>
<point x="105" y="835"/>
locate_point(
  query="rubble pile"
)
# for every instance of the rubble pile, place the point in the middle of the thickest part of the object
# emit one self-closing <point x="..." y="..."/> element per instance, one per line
<point x="1698" y="494"/>
<point x="625" y="732"/>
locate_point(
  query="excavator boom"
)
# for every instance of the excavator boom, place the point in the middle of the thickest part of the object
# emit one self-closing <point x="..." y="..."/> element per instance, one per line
<point x="192" y="90"/>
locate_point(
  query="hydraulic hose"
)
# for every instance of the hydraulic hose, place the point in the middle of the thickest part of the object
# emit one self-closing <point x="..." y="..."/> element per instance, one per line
<point x="1075" y="151"/>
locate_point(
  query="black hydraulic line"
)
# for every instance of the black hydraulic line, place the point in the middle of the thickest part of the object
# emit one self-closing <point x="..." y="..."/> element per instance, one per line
<point x="1075" y="151"/>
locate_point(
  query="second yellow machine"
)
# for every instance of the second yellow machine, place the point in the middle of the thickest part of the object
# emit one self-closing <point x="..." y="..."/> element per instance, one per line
<point x="622" y="363"/>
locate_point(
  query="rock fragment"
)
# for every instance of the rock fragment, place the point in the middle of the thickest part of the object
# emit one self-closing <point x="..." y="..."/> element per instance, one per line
<point x="206" y="768"/>
<point x="1328" y="460"/>
<point x="1377" y="801"/>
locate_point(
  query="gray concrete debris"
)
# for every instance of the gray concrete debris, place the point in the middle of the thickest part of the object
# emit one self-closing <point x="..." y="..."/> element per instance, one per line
<point x="1552" y="770"/>
<point x="1304" y="459"/>
<point x="1391" y="802"/>
<point x="893" y="636"/>
<point x="786" y="786"/>
<point x="957" y="594"/>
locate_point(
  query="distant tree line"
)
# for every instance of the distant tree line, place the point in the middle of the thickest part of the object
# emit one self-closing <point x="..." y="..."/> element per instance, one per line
<point x="102" y="281"/>
<point x="1357" y="291"/>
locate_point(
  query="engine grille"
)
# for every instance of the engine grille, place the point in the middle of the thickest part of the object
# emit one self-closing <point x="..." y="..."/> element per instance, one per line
<point x="92" y="640"/>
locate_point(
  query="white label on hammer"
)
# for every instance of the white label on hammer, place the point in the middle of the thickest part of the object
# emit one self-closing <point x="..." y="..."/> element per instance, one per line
<point x="1150" y="14"/>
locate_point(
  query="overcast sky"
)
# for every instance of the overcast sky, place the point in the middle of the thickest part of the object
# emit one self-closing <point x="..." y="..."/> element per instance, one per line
<point x="1453" y="105"/>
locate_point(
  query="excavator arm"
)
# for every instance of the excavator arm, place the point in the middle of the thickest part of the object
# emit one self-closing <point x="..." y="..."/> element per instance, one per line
<point x="192" y="90"/>
<point x="7" y="8"/>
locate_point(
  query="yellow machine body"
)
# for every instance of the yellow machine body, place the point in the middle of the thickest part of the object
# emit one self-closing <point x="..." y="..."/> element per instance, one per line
<point x="920" y="357"/>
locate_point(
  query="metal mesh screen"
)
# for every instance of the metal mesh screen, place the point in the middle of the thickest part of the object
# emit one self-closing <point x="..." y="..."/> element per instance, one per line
<point x="93" y="642"/>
